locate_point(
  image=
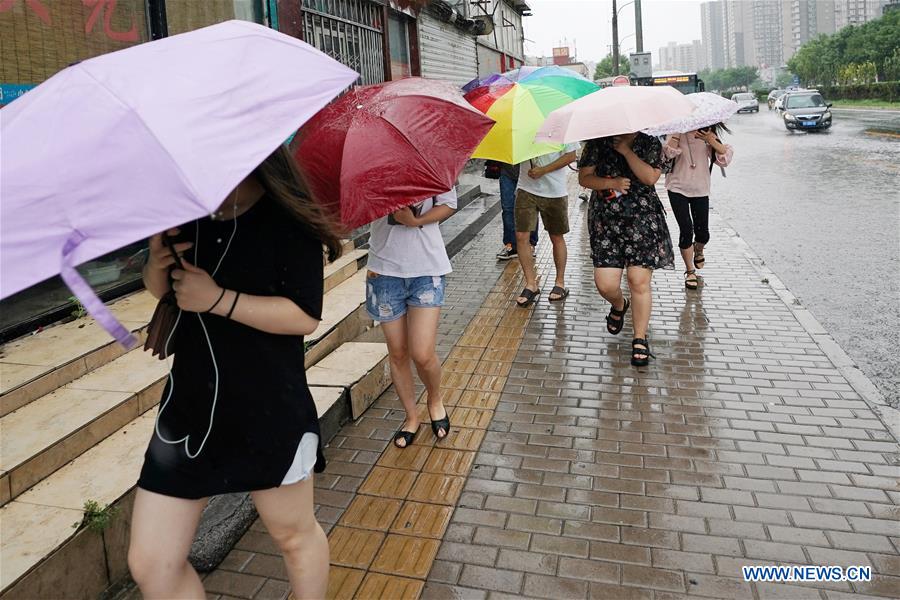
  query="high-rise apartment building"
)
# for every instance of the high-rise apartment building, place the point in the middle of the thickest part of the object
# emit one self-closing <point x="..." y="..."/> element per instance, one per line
<point x="856" y="12"/>
<point x="682" y="57"/>
<point x="713" y="32"/>
<point x="768" y="45"/>
<point x="740" y="44"/>
<point x="802" y="20"/>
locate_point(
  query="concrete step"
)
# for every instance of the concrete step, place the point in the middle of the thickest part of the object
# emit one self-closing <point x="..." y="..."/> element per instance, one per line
<point x="36" y="365"/>
<point x="41" y="550"/>
<point x="344" y="268"/>
<point x="360" y="368"/>
<point x="49" y="432"/>
<point x="344" y="317"/>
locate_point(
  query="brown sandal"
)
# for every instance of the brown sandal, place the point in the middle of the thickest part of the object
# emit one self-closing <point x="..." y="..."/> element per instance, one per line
<point x="699" y="259"/>
<point x="690" y="280"/>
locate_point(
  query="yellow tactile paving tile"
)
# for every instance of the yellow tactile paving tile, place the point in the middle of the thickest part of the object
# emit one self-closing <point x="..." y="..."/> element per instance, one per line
<point x="475" y="339"/>
<point x="487" y="383"/>
<point x="411" y="492"/>
<point x="500" y="355"/>
<point x="471" y="417"/>
<point x="435" y="488"/>
<point x="497" y="369"/>
<point x="377" y="586"/>
<point x="351" y="547"/>
<point x="479" y="399"/>
<point x="406" y="556"/>
<point x="460" y="365"/>
<point x="462" y="438"/>
<point x="466" y="353"/>
<point x="411" y="458"/>
<point x="388" y="483"/>
<point x="451" y="380"/>
<point x="449" y="462"/>
<point x="422" y="520"/>
<point x="343" y="583"/>
<point x="371" y="512"/>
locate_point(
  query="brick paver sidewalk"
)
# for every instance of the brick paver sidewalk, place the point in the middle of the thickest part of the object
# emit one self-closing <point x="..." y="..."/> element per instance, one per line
<point x="570" y="474"/>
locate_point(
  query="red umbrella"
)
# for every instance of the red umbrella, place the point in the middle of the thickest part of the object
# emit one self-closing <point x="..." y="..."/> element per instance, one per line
<point x="382" y="147"/>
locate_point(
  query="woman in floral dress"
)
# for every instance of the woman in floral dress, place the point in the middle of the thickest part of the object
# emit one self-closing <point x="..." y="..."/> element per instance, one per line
<point x="627" y="228"/>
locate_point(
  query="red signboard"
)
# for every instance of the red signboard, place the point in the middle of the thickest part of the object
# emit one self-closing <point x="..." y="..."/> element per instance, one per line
<point x="621" y="81"/>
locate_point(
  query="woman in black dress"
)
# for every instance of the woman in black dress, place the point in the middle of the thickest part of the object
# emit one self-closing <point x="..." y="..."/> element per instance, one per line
<point x="627" y="227"/>
<point x="237" y="415"/>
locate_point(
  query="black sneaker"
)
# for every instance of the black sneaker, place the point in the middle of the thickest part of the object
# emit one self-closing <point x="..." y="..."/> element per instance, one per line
<point x="507" y="254"/>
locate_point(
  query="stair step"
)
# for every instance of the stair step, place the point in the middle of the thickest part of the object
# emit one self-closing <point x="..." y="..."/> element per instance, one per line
<point x="343" y="268"/>
<point x="40" y="520"/>
<point x="47" y="433"/>
<point x="344" y="317"/>
<point x="360" y="367"/>
<point x="38" y="364"/>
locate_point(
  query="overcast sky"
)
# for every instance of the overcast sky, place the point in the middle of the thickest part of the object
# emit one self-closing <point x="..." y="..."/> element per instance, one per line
<point x="587" y="24"/>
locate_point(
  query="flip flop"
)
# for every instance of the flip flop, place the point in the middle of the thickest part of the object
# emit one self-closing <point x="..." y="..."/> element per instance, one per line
<point x="561" y="292"/>
<point x="530" y="296"/>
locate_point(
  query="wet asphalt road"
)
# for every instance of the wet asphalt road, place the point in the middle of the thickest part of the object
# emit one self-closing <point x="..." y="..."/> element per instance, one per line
<point x="823" y="211"/>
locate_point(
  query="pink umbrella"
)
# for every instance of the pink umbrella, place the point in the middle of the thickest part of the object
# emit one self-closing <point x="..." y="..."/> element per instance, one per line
<point x="614" y="111"/>
<point x="119" y="147"/>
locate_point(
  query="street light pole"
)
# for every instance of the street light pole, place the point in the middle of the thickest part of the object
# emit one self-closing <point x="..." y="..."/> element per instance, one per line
<point x="638" y="27"/>
<point x="615" y="40"/>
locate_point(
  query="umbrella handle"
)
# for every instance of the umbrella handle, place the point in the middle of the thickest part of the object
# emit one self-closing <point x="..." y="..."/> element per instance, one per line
<point x="88" y="298"/>
<point x="170" y="244"/>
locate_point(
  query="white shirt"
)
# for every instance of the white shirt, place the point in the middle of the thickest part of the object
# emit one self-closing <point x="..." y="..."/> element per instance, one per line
<point x="551" y="185"/>
<point x="401" y="251"/>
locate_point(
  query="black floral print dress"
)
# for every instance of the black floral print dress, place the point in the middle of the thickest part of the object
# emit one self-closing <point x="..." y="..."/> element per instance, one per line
<point x="629" y="230"/>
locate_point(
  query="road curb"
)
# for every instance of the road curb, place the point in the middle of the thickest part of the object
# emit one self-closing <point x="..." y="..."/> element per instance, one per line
<point x="843" y="363"/>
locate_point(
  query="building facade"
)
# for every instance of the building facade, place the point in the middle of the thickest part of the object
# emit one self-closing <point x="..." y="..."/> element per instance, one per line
<point x="740" y="44"/>
<point x="688" y="58"/>
<point x="768" y="34"/>
<point x="713" y="26"/>
<point x="802" y="20"/>
<point x="857" y="12"/>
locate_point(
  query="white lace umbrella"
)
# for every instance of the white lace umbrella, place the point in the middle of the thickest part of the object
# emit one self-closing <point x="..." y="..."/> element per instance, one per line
<point x="710" y="109"/>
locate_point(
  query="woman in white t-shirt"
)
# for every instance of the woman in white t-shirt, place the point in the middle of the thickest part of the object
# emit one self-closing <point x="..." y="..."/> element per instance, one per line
<point x="405" y="292"/>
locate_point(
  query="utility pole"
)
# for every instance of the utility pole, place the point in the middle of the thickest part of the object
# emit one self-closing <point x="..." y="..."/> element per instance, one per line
<point x="615" y="40"/>
<point x="638" y="28"/>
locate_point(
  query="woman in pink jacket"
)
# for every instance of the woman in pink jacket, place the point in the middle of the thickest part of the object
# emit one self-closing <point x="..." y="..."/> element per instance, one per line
<point x="694" y="154"/>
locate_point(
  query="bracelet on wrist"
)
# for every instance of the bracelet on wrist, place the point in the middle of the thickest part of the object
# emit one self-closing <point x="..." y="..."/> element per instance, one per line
<point x="219" y="299"/>
<point x="233" y="305"/>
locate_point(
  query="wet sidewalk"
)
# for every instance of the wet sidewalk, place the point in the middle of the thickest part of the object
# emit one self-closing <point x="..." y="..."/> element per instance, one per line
<point x="571" y="474"/>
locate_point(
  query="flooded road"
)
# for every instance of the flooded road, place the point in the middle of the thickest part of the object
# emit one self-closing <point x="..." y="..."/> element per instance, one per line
<point x="823" y="211"/>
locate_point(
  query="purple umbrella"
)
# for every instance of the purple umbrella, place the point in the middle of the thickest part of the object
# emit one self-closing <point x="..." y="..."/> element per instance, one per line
<point x="484" y="81"/>
<point x="117" y="148"/>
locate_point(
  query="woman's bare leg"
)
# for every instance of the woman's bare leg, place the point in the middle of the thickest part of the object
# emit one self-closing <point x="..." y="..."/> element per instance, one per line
<point x="423" y="326"/>
<point x="162" y="531"/>
<point x="288" y="514"/>
<point x="396" y="336"/>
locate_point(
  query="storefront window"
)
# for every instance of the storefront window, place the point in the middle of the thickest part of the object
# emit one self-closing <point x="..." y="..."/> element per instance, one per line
<point x="187" y="15"/>
<point x="398" y="30"/>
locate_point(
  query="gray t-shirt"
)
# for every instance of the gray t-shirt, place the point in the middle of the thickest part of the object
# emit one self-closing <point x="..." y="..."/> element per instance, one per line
<point x="401" y="251"/>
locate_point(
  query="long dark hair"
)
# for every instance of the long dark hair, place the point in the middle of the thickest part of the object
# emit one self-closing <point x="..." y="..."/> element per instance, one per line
<point x="279" y="175"/>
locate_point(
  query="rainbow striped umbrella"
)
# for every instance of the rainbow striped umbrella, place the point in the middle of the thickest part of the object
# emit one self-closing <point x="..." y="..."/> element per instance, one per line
<point x="519" y="103"/>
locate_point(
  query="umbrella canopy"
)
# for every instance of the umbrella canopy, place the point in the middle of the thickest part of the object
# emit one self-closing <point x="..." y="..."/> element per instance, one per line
<point x="382" y="147"/>
<point x="709" y="109"/>
<point x="120" y="147"/>
<point x="614" y="111"/>
<point x="484" y="81"/>
<point x="519" y="107"/>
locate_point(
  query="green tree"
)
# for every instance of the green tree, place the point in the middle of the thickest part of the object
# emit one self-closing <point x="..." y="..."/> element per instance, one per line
<point x="605" y="67"/>
<point x="784" y="79"/>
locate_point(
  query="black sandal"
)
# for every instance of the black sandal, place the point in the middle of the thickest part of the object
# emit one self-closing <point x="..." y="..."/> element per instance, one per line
<point x="406" y="436"/>
<point x="614" y="326"/>
<point x="699" y="259"/>
<point x="529" y="295"/>
<point x="636" y="352"/>
<point x="437" y="425"/>
<point x="561" y="292"/>
<point x="689" y="283"/>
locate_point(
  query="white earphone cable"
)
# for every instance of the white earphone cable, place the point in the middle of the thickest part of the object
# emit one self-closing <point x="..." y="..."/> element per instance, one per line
<point x="212" y="354"/>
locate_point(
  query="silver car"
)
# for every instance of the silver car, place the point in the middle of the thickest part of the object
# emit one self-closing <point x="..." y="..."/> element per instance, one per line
<point x="746" y="101"/>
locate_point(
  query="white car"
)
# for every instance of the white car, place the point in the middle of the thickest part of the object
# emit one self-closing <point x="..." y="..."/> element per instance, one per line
<point x="747" y="102"/>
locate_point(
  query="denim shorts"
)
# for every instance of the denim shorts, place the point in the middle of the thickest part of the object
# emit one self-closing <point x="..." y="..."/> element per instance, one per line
<point x="388" y="297"/>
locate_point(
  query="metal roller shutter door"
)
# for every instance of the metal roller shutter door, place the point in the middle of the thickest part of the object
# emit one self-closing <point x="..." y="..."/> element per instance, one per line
<point x="446" y="53"/>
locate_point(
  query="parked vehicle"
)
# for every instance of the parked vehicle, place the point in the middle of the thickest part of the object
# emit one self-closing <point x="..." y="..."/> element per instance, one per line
<point x="805" y="110"/>
<point x="774" y="95"/>
<point x="746" y="102"/>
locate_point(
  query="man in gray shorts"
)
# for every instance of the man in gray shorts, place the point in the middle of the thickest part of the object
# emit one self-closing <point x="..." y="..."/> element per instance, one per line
<point x="544" y="191"/>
